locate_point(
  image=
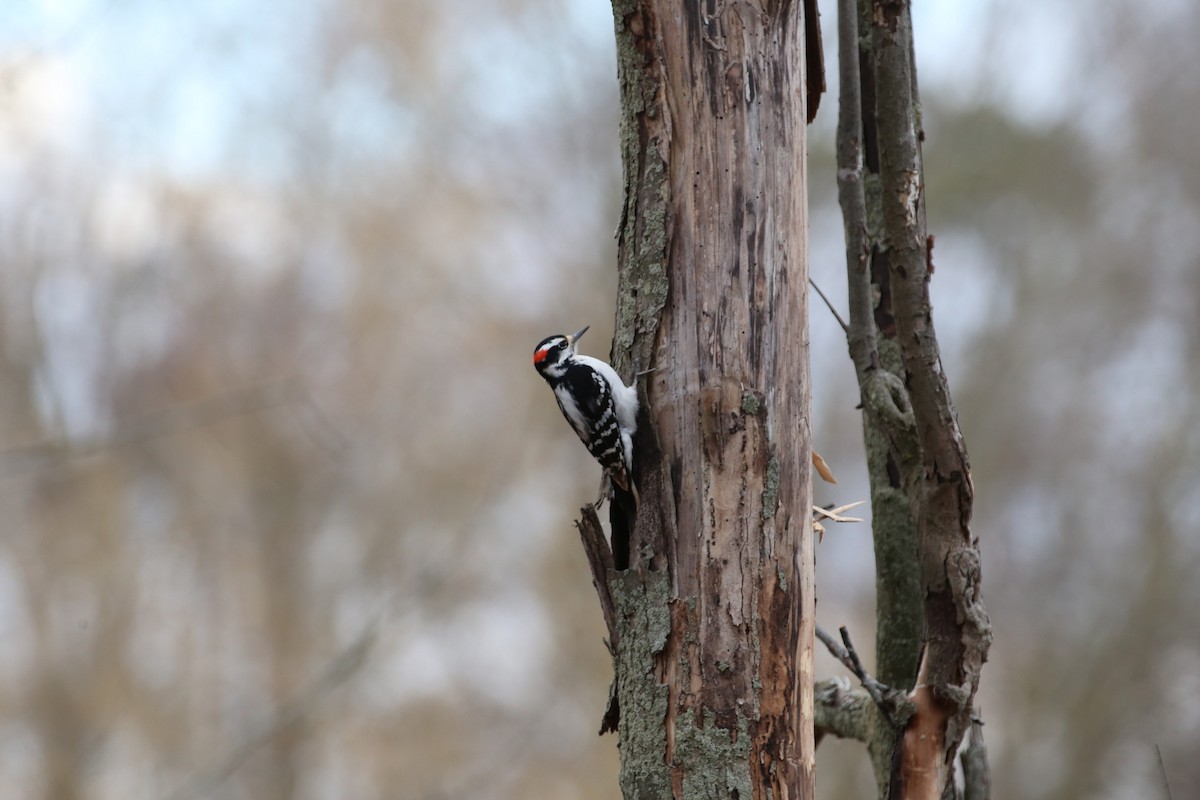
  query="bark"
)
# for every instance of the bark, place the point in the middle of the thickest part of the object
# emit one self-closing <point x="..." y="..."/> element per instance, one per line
<point x="893" y="452"/>
<point x="927" y="560"/>
<point x="957" y="628"/>
<point x="889" y="431"/>
<point x="711" y="618"/>
<point x="841" y="711"/>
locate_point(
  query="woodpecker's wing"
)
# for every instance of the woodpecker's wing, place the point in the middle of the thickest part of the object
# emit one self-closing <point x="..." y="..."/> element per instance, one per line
<point x="586" y="400"/>
<point x="625" y="397"/>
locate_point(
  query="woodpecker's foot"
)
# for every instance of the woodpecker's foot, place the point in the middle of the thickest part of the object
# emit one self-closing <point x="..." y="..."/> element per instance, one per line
<point x="605" y="492"/>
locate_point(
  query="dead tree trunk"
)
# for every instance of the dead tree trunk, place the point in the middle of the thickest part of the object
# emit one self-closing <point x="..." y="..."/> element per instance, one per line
<point x="710" y="598"/>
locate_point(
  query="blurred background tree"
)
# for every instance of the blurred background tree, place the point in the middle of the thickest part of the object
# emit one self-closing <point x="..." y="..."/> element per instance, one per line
<point x="268" y="284"/>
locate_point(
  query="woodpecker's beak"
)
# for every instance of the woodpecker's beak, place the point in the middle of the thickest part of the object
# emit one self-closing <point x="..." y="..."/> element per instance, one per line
<point x="576" y="336"/>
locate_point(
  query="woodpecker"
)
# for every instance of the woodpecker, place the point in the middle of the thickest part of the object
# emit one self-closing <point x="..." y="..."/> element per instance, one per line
<point x="599" y="406"/>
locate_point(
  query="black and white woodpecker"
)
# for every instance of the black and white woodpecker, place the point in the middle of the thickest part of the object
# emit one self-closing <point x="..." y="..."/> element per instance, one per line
<point x="597" y="403"/>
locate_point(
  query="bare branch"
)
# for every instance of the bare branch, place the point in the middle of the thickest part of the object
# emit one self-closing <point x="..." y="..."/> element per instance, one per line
<point x="829" y="305"/>
<point x="851" y="663"/>
<point x="600" y="559"/>
<point x="889" y="700"/>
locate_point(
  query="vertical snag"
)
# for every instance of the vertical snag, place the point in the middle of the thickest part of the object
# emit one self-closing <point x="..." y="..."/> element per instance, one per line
<point x="712" y="616"/>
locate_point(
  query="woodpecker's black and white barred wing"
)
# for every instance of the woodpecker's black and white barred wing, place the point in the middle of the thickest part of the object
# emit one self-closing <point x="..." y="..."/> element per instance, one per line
<point x="586" y="400"/>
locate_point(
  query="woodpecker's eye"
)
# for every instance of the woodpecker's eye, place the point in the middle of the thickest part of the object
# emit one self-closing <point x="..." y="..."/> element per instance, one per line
<point x="551" y="350"/>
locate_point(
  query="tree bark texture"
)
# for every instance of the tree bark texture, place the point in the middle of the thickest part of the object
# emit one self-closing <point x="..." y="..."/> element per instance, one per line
<point x="957" y="628"/>
<point x="889" y="429"/>
<point x="712" y="616"/>
<point x="928" y="567"/>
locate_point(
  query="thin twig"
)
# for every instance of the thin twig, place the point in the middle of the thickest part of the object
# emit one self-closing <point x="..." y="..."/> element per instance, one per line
<point x="849" y="657"/>
<point x="829" y="305"/>
<point x="856" y="662"/>
<point x="1162" y="767"/>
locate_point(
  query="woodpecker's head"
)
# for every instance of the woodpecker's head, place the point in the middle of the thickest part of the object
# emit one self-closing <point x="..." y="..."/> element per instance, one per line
<point x="551" y="352"/>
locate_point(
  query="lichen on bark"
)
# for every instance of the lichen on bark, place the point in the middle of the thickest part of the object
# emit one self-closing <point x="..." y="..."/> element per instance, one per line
<point x="770" y="497"/>
<point x="643" y="623"/>
<point x="718" y="757"/>
<point x="642" y="231"/>
<point x="643" y="283"/>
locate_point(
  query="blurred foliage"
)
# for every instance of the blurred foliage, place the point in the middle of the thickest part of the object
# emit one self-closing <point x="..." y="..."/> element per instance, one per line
<point x="269" y="285"/>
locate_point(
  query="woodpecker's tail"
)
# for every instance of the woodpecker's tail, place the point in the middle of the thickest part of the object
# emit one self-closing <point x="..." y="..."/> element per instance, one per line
<point x="622" y="513"/>
<point x="622" y="481"/>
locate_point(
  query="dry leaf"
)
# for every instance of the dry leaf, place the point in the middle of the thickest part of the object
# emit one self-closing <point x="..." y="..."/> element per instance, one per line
<point x="822" y="468"/>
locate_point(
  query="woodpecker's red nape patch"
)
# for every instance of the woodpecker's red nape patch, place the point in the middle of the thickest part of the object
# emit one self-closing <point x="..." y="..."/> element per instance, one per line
<point x="540" y="355"/>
